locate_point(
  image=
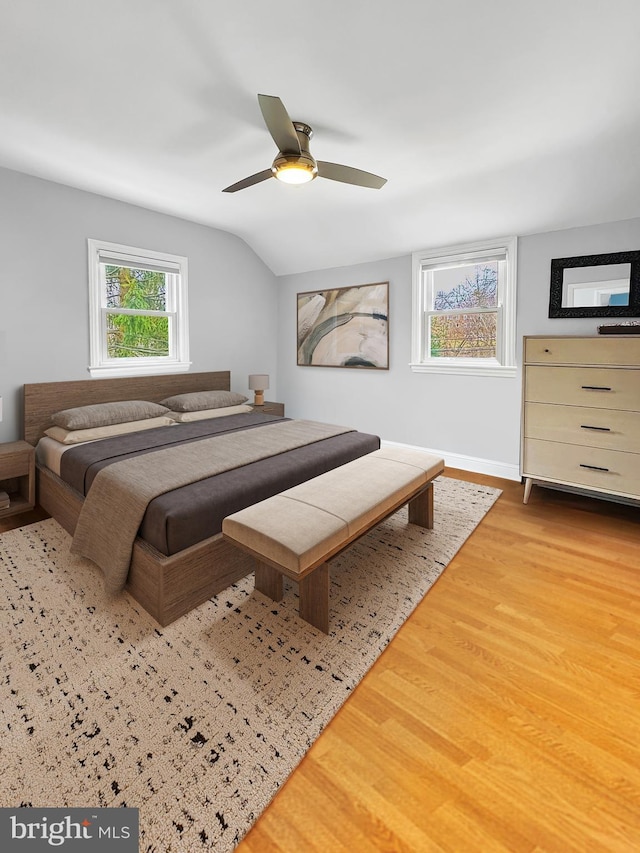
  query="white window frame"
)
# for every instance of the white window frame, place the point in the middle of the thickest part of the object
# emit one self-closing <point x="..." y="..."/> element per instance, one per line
<point x="101" y="365"/>
<point x="505" y="362"/>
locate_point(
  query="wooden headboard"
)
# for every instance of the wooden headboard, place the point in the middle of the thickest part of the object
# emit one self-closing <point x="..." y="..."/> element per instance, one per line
<point x="42" y="399"/>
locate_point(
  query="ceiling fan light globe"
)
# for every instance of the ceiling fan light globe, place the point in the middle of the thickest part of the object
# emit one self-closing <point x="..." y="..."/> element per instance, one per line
<point x="294" y="175"/>
<point x="294" y="168"/>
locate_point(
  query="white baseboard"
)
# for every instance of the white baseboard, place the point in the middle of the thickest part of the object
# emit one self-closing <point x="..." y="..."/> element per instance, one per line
<point x="468" y="463"/>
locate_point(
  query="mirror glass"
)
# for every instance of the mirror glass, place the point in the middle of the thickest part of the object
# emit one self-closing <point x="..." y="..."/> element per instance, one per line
<point x="584" y="287"/>
<point x="596" y="286"/>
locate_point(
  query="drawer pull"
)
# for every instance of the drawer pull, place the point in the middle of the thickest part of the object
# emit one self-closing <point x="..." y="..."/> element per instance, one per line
<point x="600" y="429"/>
<point x="595" y="388"/>
<point x="594" y="467"/>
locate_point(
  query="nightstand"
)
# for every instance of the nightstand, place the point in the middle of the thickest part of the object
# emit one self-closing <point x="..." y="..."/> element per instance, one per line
<point x="270" y="408"/>
<point x="18" y="476"/>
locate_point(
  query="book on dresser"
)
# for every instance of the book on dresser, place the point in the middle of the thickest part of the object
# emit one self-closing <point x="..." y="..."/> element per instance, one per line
<point x="581" y="415"/>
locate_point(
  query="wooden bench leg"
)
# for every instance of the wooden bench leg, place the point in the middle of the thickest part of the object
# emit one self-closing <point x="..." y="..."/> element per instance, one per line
<point x="421" y="508"/>
<point x="314" y="598"/>
<point x="269" y="581"/>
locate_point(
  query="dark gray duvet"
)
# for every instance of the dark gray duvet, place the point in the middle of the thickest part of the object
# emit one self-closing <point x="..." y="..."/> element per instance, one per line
<point x="185" y="516"/>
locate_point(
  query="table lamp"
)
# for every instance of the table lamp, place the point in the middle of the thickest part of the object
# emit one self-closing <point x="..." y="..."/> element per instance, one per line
<point x="258" y="382"/>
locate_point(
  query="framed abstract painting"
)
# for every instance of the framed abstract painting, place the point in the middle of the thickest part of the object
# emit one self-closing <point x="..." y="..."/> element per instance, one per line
<point x="344" y="327"/>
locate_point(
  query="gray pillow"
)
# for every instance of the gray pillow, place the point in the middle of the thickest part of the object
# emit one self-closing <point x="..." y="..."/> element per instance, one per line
<point x="105" y="414"/>
<point x="199" y="400"/>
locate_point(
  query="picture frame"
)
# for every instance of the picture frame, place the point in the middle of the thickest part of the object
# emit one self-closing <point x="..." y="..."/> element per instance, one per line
<point x="344" y="327"/>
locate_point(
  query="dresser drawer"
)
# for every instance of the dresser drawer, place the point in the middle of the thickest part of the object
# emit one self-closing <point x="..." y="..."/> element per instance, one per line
<point x="610" y="349"/>
<point x="609" y="470"/>
<point x="599" y="387"/>
<point x="591" y="427"/>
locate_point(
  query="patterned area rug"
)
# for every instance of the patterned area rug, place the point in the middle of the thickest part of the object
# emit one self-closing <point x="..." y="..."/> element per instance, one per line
<point x="199" y="723"/>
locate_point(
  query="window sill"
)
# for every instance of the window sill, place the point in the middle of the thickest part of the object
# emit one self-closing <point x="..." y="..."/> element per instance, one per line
<point x="467" y="369"/>
<point x="108" y="372"/>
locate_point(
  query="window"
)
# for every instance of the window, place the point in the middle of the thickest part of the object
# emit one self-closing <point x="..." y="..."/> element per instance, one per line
<point x="138" y="311"/>
<point x="464" y="309"/>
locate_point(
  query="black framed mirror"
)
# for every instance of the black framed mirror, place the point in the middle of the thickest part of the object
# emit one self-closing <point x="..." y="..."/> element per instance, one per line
<point x="596" y="286"/>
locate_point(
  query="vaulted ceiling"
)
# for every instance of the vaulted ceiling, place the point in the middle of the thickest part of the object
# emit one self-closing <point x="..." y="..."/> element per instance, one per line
<point x="487" y="118"/>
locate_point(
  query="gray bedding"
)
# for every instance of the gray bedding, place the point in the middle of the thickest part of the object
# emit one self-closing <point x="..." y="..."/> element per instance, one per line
<point x="186" y="515"/>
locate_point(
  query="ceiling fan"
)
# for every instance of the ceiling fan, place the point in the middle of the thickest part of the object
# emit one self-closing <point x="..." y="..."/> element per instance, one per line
<point x="293" y="163"/>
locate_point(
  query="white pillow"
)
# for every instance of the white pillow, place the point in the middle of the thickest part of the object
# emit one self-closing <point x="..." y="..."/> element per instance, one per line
<point x="76" y="436"/>
<point x="185" y="417"/>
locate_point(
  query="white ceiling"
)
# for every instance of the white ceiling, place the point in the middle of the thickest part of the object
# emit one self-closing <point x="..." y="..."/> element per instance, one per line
<point x="487" y="118"/>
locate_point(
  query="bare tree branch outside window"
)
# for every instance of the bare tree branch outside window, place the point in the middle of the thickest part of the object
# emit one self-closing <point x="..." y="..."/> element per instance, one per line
<point x="469" y="334"/>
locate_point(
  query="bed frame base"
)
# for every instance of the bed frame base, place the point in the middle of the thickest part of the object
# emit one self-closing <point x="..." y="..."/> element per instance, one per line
<point x="166" y="587"/>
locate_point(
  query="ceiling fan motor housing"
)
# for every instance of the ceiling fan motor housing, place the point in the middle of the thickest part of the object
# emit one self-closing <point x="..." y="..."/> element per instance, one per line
<point x="302" y="163"/>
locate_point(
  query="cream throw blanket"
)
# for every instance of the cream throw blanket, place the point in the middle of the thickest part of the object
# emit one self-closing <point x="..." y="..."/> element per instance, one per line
<point x="120" y="493"/>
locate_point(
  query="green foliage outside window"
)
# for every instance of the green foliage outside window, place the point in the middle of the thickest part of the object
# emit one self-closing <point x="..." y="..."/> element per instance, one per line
<point x="139" y="335"/>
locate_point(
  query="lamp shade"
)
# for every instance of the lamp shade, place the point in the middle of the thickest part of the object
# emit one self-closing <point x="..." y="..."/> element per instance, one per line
<point x="258" y="381"/>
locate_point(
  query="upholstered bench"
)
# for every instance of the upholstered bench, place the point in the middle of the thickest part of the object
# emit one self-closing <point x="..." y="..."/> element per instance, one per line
<point x="297" y="531"/>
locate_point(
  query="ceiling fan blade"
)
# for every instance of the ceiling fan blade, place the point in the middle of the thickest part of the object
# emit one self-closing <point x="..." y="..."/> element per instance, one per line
<point x="279" y="124"/>
<point x="349" y="175"/>
<point x="249" y="182"/>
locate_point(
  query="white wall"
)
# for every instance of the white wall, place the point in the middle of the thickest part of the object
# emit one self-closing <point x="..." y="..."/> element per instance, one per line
<point x="473" y="421"/>
<point x="44" y="334"/>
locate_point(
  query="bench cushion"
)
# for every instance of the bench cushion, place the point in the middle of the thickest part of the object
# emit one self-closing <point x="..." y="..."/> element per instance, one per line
<point x="289" y="532"/>
<point x="298" y="527"/>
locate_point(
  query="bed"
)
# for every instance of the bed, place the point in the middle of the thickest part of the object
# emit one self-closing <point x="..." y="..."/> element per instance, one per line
<point x="170" y="576"/>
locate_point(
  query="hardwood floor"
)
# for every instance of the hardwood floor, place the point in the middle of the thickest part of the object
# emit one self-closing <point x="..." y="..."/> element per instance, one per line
<point x="22" y="518"/>
<point x="505" y="715"/>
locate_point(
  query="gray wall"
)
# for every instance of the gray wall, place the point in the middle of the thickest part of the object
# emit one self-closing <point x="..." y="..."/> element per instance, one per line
<point x="44" y="332"/>
<point x="473" y="421"/>
<point x="244" y="319"/>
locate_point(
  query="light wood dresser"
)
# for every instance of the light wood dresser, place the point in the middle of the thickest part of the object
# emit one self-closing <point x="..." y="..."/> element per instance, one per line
<point x="581" y="415"/>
